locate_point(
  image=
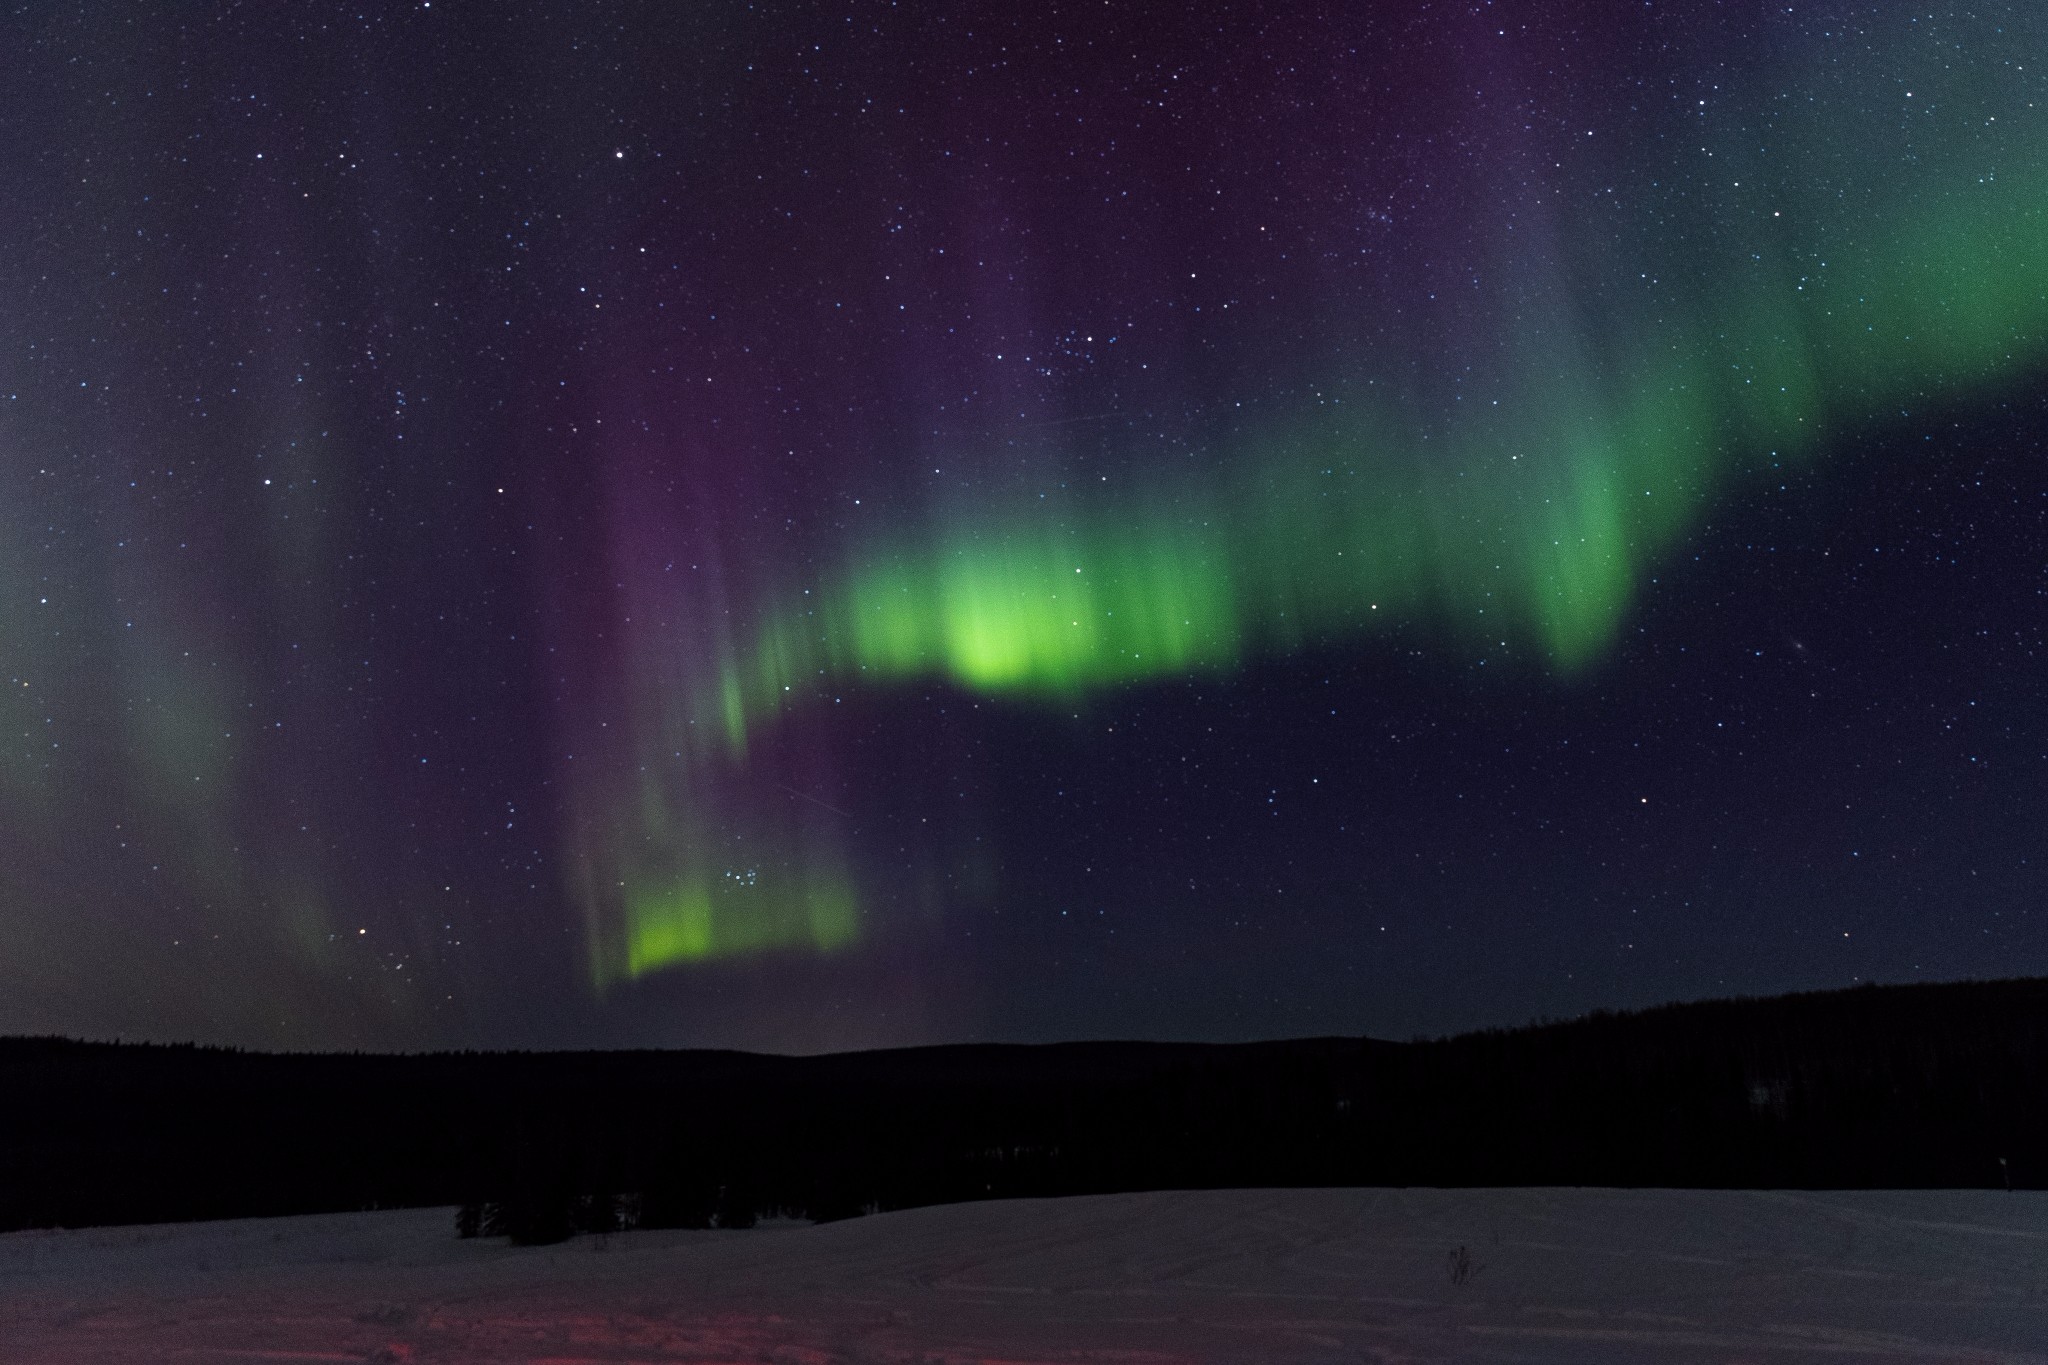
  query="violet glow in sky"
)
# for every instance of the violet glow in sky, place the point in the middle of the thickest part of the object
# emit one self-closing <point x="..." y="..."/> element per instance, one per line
<point x="809" y="529"/>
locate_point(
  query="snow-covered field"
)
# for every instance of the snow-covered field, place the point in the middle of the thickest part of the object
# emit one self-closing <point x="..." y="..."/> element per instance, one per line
<point x="1143" y="1279"/>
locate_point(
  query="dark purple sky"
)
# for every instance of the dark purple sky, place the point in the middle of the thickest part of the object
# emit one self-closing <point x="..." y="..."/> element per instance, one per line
<point x="807" y="527"/>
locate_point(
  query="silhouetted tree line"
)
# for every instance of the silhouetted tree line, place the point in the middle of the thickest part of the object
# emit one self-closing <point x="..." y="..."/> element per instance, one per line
<point x="1900" y="1086"/>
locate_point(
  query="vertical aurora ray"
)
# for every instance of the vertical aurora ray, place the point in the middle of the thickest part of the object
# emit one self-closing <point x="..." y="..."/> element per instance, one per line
<point x="1814" y="288"/>
<point x="202" y="617"/>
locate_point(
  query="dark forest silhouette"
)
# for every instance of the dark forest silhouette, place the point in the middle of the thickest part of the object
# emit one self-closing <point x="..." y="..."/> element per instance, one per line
<point x="1896" y="1086"/>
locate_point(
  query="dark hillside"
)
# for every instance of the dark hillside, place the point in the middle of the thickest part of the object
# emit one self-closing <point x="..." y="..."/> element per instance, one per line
<point x="1880" y="1086"/>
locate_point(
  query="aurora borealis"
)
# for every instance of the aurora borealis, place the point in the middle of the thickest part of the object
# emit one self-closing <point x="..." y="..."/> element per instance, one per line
<point x="804" y="528"/>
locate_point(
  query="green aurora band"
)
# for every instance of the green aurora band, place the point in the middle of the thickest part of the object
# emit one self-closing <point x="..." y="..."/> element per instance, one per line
<point x="1529" y="525"/>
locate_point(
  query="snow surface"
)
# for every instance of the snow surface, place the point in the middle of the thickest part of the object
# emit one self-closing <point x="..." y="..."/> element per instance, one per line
<point x="1584" y="1276"/>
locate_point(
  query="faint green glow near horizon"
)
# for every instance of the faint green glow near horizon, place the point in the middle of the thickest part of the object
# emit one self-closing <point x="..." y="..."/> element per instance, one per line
<point x="693" y="919"/>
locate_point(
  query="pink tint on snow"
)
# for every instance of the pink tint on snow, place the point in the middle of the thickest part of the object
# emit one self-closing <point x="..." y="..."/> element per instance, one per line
<point x="1553" y="1277"/>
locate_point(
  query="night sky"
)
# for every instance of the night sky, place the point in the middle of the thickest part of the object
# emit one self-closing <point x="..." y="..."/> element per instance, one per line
<point x="816" y="527"/>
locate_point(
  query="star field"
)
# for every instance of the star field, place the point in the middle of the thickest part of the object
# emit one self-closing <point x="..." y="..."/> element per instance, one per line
<point x="807" y="528"/>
